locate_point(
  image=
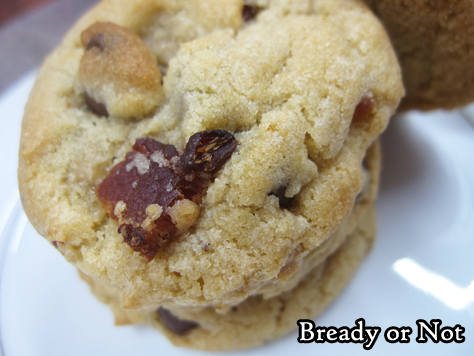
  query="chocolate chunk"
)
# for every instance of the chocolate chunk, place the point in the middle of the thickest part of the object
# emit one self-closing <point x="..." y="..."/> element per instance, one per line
<point x="284" y="202"/>
<point x="154" y="194"/>
<point x="97" y="108"/>
<point x="174" y="324"/>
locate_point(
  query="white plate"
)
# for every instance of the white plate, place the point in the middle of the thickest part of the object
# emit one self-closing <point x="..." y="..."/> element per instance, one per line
<point x="422" y="266"/>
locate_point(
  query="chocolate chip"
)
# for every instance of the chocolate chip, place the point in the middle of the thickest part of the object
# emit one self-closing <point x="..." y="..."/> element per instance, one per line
<point x="97" y="108"/>
<point x="249" y="12"/>
<point x="284" y="202"/>
<point x="98" y="41"/>
<point x="174" y="324"/>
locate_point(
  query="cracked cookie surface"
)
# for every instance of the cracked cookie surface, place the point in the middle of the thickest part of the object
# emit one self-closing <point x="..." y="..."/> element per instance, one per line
<point x="286" y="83"/>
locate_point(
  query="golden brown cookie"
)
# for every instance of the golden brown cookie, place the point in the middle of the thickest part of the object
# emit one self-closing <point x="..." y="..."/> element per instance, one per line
<point x="257" y="319"/>
<point x="304" y="87"/>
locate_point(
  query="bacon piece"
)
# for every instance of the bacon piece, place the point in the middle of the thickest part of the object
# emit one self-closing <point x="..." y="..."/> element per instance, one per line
<point x="155" y="193"/>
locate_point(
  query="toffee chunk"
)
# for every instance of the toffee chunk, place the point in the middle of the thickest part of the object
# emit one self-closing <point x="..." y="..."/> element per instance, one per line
<point x="155" y="193"/>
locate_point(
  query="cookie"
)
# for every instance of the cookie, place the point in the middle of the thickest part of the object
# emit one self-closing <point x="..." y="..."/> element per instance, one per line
<point x="299" y="266"/>
<point x="255" y="320"/>
<point x="434" y="43"/>
<point x="246" y="320"/>
<point x="304" y="88"/>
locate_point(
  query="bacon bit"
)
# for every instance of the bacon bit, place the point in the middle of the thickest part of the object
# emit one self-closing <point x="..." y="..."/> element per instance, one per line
<point x="154" y="194"/>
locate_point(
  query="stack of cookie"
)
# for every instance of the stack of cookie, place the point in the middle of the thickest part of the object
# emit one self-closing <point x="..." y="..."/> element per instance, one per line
<point x="210" y="166"/>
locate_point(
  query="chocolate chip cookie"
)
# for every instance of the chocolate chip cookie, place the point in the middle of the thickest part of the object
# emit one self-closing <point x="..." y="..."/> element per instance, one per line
<point x="257" y="319"/>
<point x="198" y="153"/>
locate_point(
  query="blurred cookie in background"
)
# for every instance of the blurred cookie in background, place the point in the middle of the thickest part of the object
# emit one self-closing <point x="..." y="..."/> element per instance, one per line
<point x="434" y="41"/>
